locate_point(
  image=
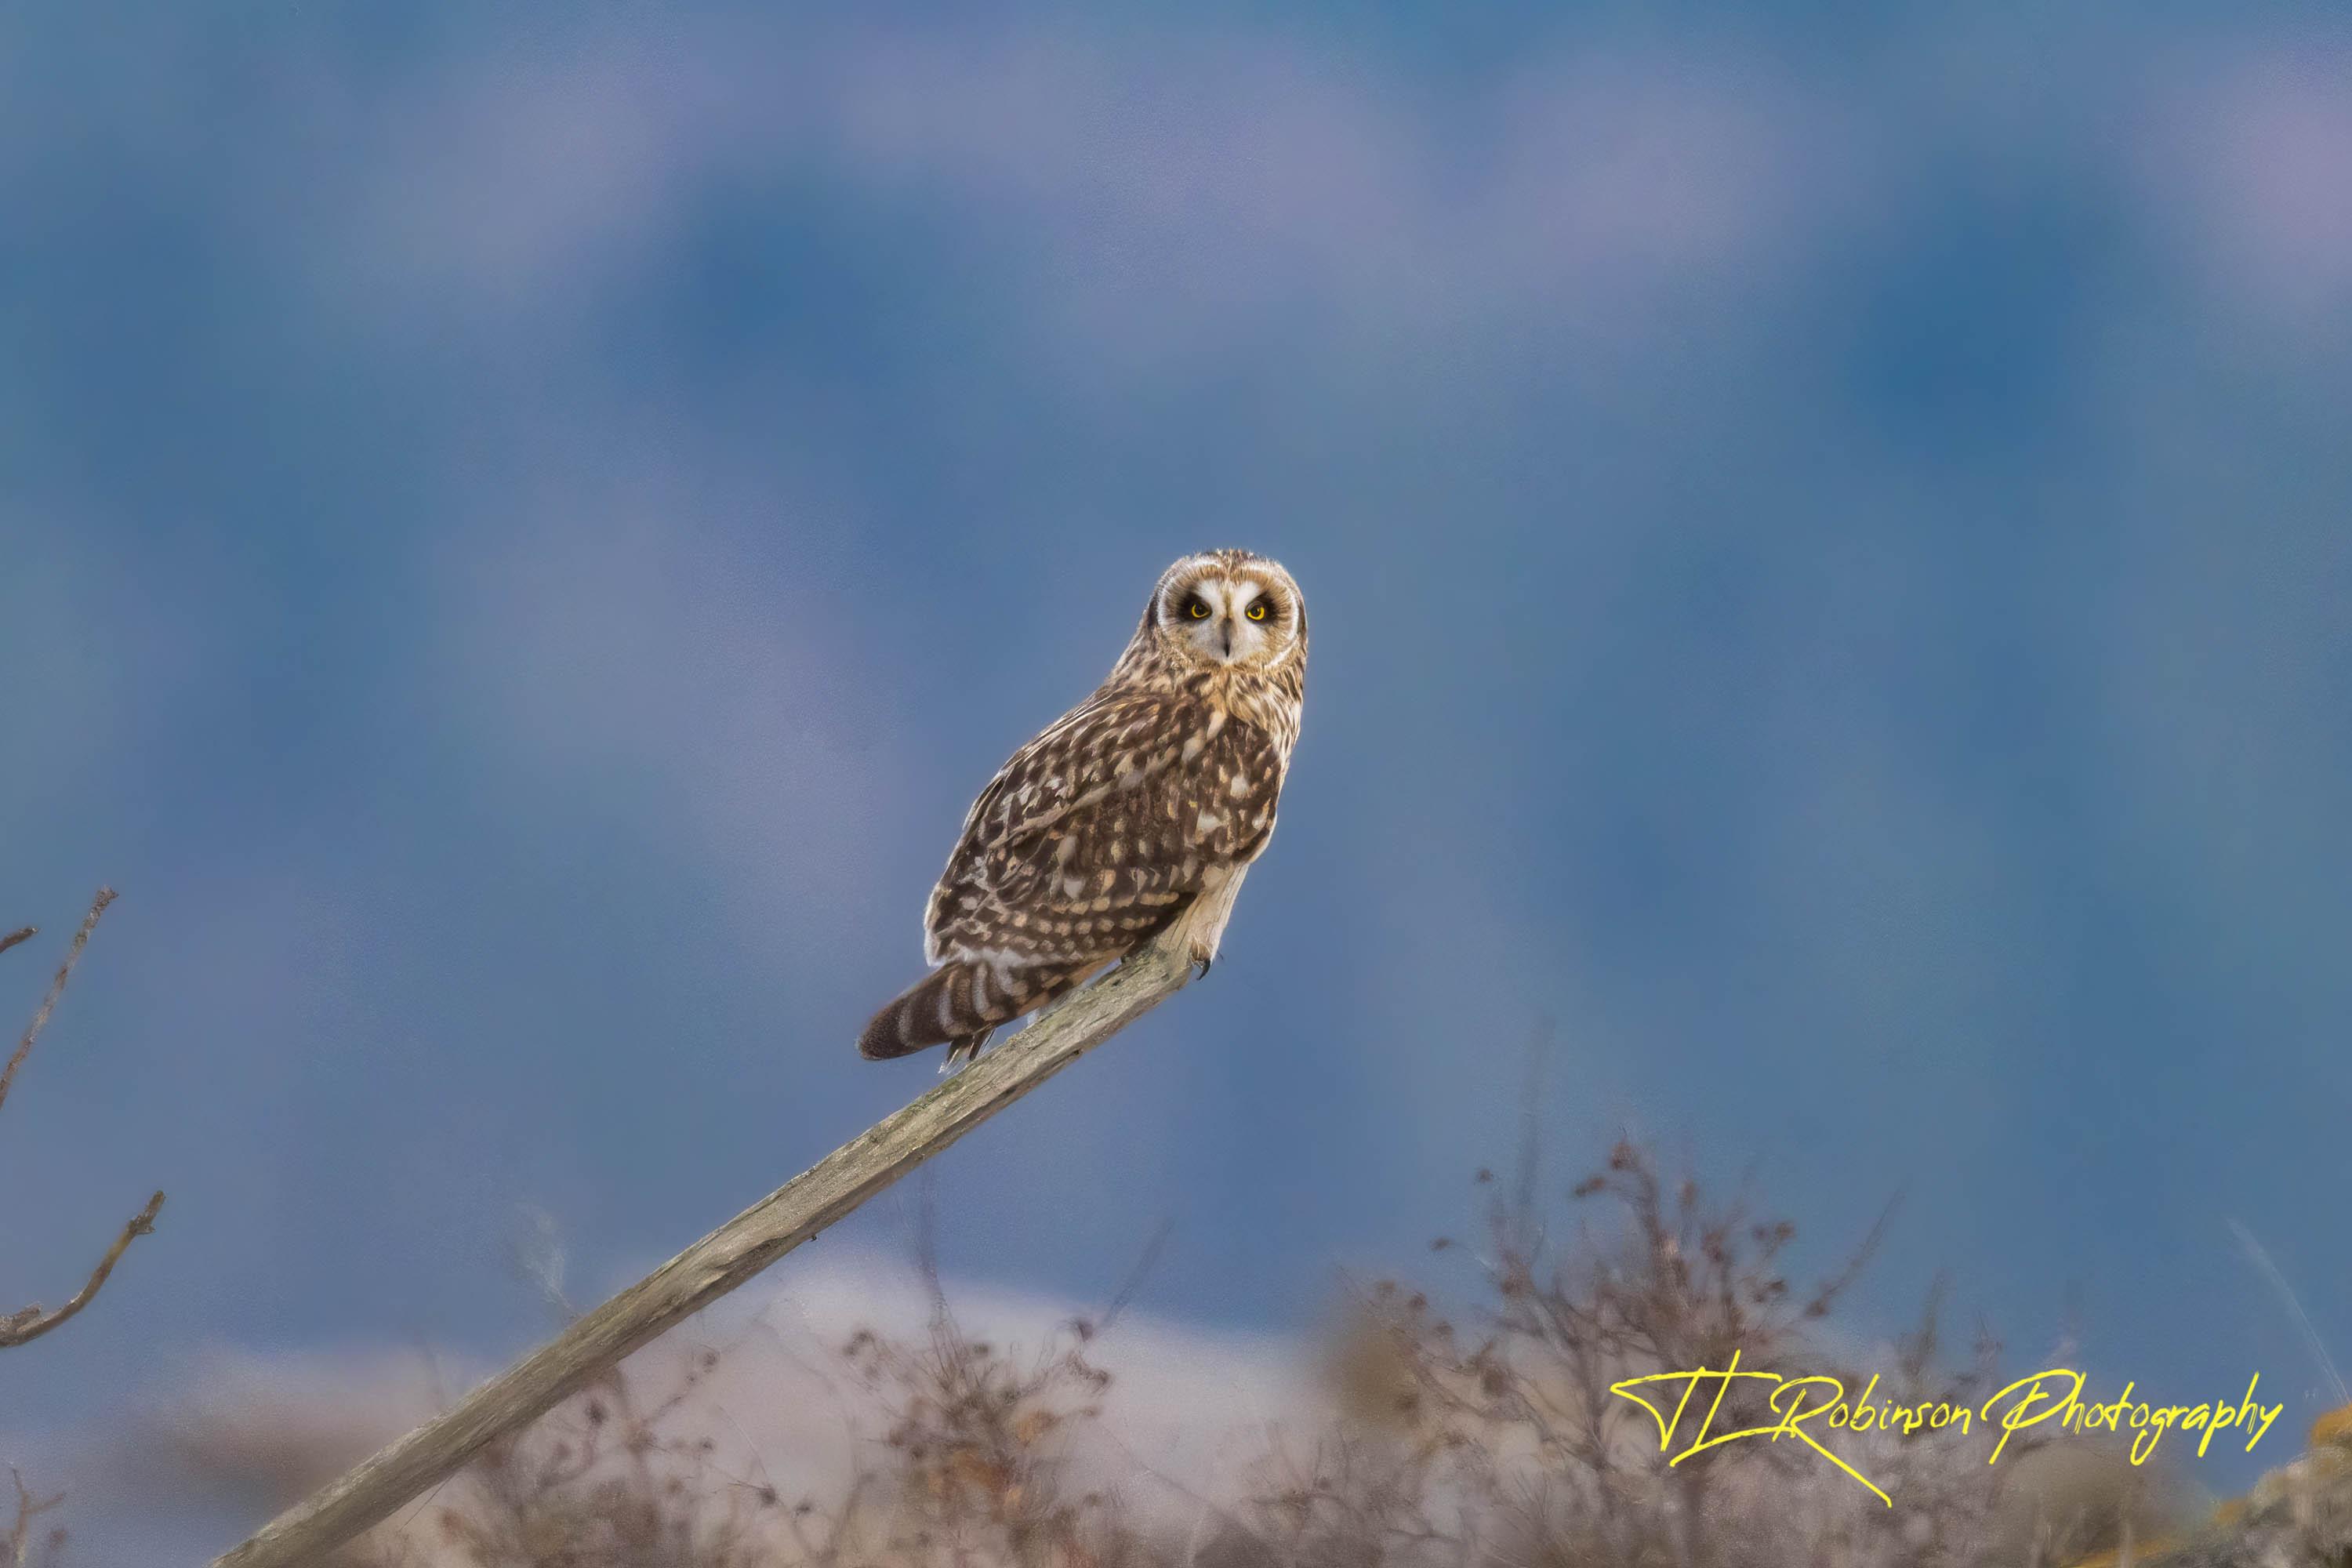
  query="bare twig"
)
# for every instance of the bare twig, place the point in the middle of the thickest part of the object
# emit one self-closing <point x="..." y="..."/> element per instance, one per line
<point x="2260" y="1256"/>
<point x="728" y="1257"/>
<point x="1129" y="1286"/>
<point x="29" y="1508"/>
<point x="56" y="986"/>
<point x="29" y="1323"/>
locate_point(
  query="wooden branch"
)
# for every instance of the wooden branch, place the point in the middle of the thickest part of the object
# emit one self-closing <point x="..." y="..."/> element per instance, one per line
<point x="29" y="1323"/>
<point x="725" y="1259"/>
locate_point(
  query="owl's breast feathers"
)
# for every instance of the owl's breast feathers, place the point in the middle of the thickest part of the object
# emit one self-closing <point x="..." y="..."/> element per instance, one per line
<point x="1098" y="831"/>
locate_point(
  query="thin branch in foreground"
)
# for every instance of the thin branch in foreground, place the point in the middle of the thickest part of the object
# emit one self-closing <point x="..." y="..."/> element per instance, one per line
<point x="2260" y="1256"/>
<point x="728" y="1257"/>
<point x="56" y="986"/>
<point x="29" y="1323"/>
<point x="28" y="1509"/>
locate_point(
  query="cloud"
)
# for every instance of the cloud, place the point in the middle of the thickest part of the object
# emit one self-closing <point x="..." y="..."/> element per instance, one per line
<point x="1159" y="198"/>
<point x="1234" y="176"/>
<point x="498" y="175"/>
<point x="251" y="1432"/>
<point x="618" y="626"/>
<point x="1160" y="185"/>
<point x="2253" y="161"/>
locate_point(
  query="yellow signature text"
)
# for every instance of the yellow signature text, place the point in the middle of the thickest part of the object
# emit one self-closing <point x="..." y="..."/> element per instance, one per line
<point x="1810" y="1408"/>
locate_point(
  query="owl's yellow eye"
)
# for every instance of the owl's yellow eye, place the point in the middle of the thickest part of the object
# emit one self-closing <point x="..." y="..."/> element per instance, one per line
<point x="1257" y="611"/>
<point x="1198" y="609"/>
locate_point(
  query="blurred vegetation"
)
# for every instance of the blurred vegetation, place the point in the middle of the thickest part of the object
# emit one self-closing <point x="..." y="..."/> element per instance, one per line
<point x="1482" y="1438"/>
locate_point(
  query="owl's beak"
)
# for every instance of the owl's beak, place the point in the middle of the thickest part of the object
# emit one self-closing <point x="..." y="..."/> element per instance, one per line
<point x="1228" y="637"/>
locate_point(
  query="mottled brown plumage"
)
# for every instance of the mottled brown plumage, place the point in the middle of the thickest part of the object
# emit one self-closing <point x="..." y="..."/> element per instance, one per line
<point x="1138" y="810"/>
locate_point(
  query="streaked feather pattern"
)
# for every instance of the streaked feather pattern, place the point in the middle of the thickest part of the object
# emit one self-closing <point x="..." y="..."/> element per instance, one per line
<point x="1138" y="808"/>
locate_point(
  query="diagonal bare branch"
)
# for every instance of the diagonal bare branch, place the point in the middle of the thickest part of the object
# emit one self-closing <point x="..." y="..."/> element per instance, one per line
<point x="56" y="986"/>
<point x="729" y="1256"/>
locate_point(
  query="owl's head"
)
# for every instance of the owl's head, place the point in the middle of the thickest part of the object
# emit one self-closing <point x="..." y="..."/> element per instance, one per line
<point x="1228" y="607"/>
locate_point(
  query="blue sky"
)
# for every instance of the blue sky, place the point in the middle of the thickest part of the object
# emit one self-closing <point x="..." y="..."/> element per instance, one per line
<point x="523" y="533"/>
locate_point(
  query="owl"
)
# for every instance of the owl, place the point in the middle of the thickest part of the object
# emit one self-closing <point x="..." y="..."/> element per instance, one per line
<point x="1138" y="811"/>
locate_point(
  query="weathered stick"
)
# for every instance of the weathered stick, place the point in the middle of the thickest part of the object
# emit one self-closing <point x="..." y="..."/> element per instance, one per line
<point x="725" y="1259"/>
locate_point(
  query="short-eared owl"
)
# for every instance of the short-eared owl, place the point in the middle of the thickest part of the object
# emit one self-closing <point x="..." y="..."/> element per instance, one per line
<point x="1138" y="810"/>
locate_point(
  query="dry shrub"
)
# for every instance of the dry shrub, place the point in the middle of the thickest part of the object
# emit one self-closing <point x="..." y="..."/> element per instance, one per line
<point x="1497" y="1441"/>
<point x="603" y="1484"/>
<point x="975" y="1463"/>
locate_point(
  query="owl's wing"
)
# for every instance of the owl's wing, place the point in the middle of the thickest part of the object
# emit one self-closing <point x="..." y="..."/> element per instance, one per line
<point x="1096" y="832"/>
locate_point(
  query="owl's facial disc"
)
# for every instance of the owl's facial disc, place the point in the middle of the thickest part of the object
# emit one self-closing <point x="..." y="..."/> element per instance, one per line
<point x="1229" y="618"/>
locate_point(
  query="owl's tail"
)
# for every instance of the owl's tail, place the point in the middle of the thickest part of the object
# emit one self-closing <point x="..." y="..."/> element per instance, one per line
<point x="958" y="1005"/>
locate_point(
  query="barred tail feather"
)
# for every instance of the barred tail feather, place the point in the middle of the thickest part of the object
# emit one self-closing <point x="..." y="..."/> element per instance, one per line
<point x="958" y="1005"/>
